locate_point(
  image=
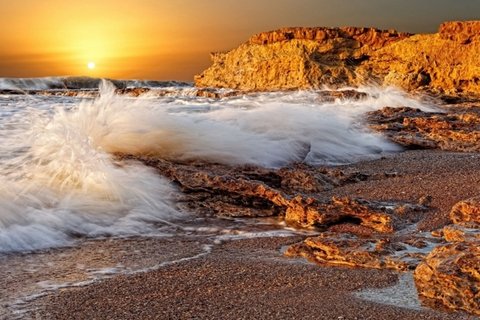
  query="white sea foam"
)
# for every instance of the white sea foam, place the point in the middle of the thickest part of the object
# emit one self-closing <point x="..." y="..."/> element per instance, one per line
<point x="59" y="178"/>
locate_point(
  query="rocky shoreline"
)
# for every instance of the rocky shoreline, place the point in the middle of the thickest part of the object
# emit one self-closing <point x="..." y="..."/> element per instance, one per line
<point x="362" y="257"/>
<point x="354" y="231"/>
<point x="416" y="211"/>
<point x="420" y="232"/>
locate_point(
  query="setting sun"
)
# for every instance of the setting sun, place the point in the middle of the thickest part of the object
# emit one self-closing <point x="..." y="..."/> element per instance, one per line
<point x="91" y="65"/>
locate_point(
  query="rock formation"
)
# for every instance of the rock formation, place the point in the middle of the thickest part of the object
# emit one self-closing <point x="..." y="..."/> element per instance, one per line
<point x="366" y="252"/>
<point x="450" y="274"/>
<point x="467" y="212"/>
<point x="350" y="231"/>
<point x="458" y="130"/>
<point x="292" y="58"/>
<point x="288" y="192"/>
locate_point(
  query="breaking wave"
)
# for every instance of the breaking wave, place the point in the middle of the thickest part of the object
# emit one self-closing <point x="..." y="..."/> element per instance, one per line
<point x="47" y="83"/>
<point x="59" y="178"/>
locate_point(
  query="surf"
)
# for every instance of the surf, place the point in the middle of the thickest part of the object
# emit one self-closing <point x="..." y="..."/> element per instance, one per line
<point x="62" y="179"/>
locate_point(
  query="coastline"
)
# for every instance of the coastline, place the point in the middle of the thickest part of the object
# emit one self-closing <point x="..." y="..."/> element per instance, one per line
<point x="237" y="275"/>
<point x="256" y="215"/>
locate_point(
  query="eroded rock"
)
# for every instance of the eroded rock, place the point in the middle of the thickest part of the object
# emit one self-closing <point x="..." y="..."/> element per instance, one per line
<point x="290" y="192"/>
<point x="382" y="217"/>
<point x="450" y="276"/>
<point x="458" y="233"/>
<point x="454" y="130"/>
<point x="365" y="251"/>
<point x="467" y="212"/>
<point x="292" y="58"/>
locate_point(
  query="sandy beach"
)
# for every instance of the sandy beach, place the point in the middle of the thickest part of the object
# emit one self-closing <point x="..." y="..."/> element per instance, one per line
<point x="207" y="276"/>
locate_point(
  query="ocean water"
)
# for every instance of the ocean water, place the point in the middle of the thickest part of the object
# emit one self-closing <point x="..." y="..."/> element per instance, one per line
<point x="60" y="180"/>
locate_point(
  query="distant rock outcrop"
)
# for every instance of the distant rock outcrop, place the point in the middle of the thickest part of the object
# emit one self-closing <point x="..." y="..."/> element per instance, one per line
<point x="301" y="58"/>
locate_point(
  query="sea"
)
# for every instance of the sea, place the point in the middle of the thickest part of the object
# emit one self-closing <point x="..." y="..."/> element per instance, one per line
<point x="63" y="188"/>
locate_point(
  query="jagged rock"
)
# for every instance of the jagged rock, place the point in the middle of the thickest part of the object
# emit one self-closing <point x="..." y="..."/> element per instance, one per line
<point x="365" y="252"/>
<point x="464" y="32"/>
<point x="457" y="233"/>
<point x="332" y="95"/>
<point x="133" y="92"/>
<point x="292" y="58"/>
<point x="466" y="212"/>
<point x="444" y="62"/>
<point x="379" y="216"/>
<point x="413" y="128"/>
<point x="254" y="191"/>
<point x="450" y="276"/>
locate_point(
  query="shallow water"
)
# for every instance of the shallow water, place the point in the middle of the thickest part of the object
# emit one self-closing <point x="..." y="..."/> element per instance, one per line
<point x="29" y="277"/>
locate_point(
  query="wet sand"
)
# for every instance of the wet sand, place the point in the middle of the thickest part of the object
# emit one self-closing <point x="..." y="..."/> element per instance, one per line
<point x="213" y="277"/>
<point x="239" y="280"/>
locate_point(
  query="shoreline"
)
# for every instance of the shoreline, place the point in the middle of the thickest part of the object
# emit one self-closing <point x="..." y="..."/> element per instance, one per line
<point x="234" y="282"/>
<point x="283" y="285"/>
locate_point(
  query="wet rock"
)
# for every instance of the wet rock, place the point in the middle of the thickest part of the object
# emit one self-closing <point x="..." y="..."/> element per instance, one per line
<point x="133" y="92"/>
<point x="457" y="233"/>
<point x="457" y="130"/>
<point x="467" y="212"/>
<point x="305" y="179"/>
<point x="450" y="276"/>
<point x="358" y="251"/>
<point x="92" y="92"/>
<point x="379" y="216"/>
<point x="332" y="95"/>
<point x="291" y="192"/>
<point x="216" y="94"/>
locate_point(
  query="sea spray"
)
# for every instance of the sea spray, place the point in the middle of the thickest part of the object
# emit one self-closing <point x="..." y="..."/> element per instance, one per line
<point x="61" y="179"/>
<point x="66" y="186"/>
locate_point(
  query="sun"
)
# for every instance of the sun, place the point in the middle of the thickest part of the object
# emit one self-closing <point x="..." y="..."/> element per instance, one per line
<point x="91" y="65"/>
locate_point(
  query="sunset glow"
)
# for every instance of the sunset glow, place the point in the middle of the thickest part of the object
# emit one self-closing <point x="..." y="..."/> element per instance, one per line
<point x="172" y="40"/>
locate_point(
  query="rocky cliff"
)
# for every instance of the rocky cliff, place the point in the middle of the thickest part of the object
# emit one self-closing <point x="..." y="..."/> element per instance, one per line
<point x="446" y="62"/>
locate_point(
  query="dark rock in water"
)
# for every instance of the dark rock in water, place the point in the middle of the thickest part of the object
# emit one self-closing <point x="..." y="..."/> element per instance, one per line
<point x="225" y="190"/>
<point x="456" y="130"/>
<point x="332" y="95"/>
<point x="212" y="93"/>
<point x="450" y="276"/>
<point x="133" y="92"/>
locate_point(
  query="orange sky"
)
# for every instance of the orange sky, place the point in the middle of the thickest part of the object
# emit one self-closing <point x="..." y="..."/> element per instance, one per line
<point x="156" y="39"/>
